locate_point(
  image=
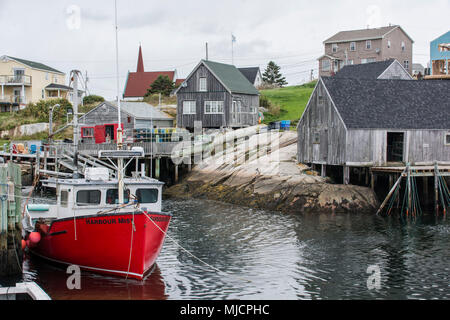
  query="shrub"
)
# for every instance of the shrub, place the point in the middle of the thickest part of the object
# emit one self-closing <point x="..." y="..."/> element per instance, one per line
<point x="92" y="99"/>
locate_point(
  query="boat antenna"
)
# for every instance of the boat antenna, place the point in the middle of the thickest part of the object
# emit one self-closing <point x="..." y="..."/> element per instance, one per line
<point x="119" y="126"/>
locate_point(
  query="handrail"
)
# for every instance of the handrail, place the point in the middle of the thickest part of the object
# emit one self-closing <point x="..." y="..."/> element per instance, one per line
<point x="15" y="79"/>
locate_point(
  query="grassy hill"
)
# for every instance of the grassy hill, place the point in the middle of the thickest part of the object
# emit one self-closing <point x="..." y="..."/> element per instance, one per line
<point x="287" y="103"/>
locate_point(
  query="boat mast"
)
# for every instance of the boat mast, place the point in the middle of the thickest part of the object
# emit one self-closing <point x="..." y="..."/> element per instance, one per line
<point x="119" y="126"/>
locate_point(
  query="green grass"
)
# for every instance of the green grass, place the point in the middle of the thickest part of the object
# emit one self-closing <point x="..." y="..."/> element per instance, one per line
<point x="292" y="101"/>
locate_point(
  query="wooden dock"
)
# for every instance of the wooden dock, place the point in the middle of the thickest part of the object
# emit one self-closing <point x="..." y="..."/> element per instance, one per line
<point x="10" y="219"/>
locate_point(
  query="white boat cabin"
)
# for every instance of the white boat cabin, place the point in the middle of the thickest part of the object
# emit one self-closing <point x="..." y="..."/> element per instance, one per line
<point x="82" y="197"/>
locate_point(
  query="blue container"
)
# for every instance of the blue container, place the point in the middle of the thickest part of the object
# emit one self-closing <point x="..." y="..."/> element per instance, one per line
<point x="285" y="124"/>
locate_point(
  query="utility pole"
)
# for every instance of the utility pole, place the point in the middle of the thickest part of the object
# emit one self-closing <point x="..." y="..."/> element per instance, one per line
<point x="119" y="126"/>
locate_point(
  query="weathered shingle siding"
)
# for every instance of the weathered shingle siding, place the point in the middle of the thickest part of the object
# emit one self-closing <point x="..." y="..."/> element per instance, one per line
<point x="368" y="147"/>
<point x="323" y="119"/>
<point x="216" y="92"/>
<point x="395" y="71"/>
<point x="105" y="114"/>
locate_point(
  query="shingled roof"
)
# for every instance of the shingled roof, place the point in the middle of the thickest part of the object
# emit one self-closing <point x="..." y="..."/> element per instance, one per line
<point x="35" y="65"/>
<point x="139" y="82"/>
<point x="231" y="77"/>
<point x="250" y="73"/>
<point x="362" y="34"/>
<point x="368" y="71"/>
<point x="391" y="104"/>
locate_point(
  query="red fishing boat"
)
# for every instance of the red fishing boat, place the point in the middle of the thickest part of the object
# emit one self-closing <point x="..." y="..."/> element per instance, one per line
<point x="91" y="227"/>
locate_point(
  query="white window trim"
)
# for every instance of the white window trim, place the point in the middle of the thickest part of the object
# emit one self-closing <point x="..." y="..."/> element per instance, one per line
<point x="445" y="138"/>
<point x="389" y="43"/>
<point x="368" y="44"/>
<point x="190" y="107"/>
<point x="403" y="46"/>
<point x="217" y="102"/>
<point x="354" y="47"/>
<point x="200" y="89"/>
<point x="334" y="47"/>
<point x="328" y="68"/>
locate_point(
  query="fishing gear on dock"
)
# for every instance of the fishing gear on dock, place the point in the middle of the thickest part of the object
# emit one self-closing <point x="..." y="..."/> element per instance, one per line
<point x="408" y="192"/>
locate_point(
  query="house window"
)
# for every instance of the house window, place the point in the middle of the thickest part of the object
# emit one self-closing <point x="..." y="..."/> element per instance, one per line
<point x="350" y="62"/>
<point x="326" y="65"/>
<point x="212" y="107"/>
<point x="87" y="132"/>
<point x="403" y="45"/>
<point x="368" y="60"/>
<point x="389" y="43"/>
<point x="352" y="46"/>
<point x="189" y="107"/>
<point x="334" y="47"/>
<point x="406" y="64"/>
<point x="129" y="119"/>
<point x="368" y="44"/>
<point x="316" y="136"/>
<point x="43" y="94"/>
<point x="46" y="76"/>
<point x="447" y="139"/>
<point x="87" y="197"/>
<point x="202" y="84"/>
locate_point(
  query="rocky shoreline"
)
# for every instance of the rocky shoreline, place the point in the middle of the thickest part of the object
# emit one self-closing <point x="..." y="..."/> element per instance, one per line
<point x="271" y="181"/>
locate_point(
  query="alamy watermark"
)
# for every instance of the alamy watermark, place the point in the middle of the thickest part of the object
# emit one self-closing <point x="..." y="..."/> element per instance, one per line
<point x="374" y="279"/>
<point x="73" y="20"/>
<point x="74" y="280"/>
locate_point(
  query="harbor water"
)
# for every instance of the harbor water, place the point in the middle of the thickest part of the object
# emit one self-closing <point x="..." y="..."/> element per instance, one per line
<point x="270" y="255"/>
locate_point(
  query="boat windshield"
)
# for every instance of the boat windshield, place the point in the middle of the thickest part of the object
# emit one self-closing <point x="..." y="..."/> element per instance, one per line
<point x="147" y="195"/>
<point x="112" y="196"/>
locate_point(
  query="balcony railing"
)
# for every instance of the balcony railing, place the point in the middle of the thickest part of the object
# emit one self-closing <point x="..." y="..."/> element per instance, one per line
<point x="12" y="99"/>
<point x="15" y="80"/>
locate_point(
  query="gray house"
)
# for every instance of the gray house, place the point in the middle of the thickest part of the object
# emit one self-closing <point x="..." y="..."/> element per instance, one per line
<point x="387" y="69"/>
<point x="101" y="123"/>
<point x="365" y="46"/>
<point x="217" y="95"/>
<point x="365" y="123"/>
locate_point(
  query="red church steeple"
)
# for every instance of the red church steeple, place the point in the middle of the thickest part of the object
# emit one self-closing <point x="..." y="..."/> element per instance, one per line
<point x="140" y="64"/>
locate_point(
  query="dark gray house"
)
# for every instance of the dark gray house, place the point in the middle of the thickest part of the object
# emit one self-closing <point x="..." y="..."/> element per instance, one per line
<point x="218" y="95"/>
<point x="101" y="123"/>
<point x="365" y="123"/>
<point x="386" y="69"/>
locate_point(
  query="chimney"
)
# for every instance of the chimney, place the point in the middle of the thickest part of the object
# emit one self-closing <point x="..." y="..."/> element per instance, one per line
<point x="140" y="64"/>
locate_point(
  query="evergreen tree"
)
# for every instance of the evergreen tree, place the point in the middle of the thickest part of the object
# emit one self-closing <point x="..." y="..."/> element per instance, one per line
<point x="272" y="75"/>
<point x="162" y="85"/>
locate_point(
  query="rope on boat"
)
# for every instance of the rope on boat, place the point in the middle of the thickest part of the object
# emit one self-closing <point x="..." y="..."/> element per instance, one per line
<point x="191" y="254"/>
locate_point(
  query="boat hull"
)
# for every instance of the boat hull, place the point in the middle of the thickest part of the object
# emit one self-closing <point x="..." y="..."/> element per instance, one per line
<point x="125" y="244"/>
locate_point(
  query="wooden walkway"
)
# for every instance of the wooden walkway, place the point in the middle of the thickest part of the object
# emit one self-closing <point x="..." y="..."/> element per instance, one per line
<point x="418" y="171"/>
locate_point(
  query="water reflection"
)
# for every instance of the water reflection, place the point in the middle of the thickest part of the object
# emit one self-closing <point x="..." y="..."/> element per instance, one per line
<point x="52" y="278"/>
<point x="269" y="255"/>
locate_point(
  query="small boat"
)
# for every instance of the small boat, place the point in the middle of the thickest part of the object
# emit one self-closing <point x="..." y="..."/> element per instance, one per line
<point x="90" y="228"/>
<point x="23" y="291"/>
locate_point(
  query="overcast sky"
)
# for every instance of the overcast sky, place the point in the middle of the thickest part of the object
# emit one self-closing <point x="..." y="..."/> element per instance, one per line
<point x="80" y="35"/>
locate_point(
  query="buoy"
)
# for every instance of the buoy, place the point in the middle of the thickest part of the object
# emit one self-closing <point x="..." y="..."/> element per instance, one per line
<point x="35" y="237"/>
<point x="24" y="244"/>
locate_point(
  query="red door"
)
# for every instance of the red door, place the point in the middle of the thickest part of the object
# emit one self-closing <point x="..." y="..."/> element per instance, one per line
<point x="99" y="134"/>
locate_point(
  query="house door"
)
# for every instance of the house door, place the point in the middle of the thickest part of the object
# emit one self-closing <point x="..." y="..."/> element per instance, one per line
<point x="395" y="146"/>
<point x="18" y="75"/>
<point x="109" y="132"/>
<point x="17" y="95"/>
